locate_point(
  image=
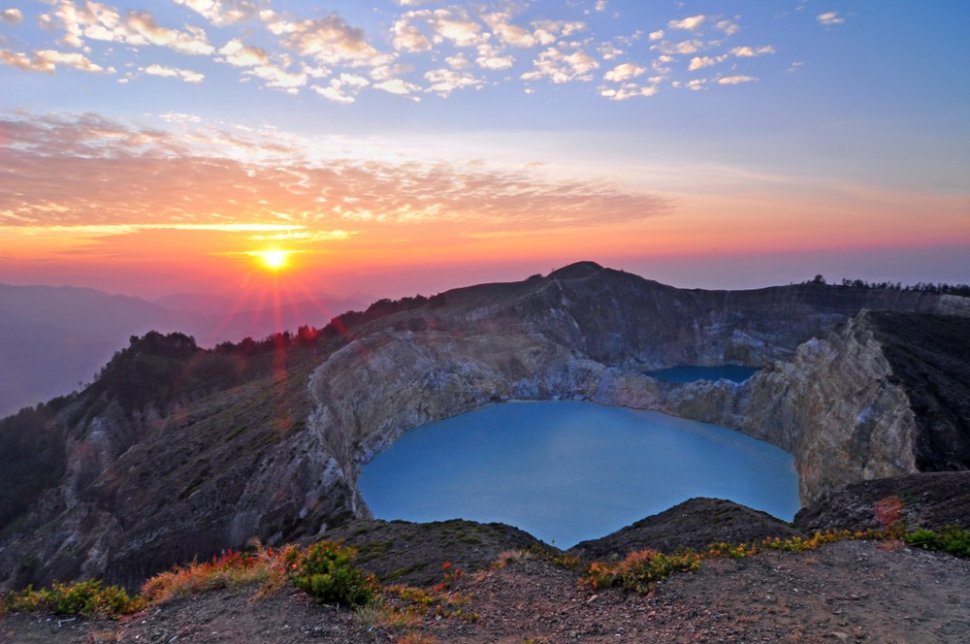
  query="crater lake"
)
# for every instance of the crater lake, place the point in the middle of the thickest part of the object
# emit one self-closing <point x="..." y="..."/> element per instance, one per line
<point x="566" y="471"/>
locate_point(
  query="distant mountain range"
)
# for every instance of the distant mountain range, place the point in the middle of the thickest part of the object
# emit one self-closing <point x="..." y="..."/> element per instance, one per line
<point x="54" y="338"/>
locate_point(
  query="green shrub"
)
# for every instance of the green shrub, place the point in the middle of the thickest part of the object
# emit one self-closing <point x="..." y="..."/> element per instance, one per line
<point x="87" y="598"/>
<point x="327" y="573"/>
<point x="951" y="539"/>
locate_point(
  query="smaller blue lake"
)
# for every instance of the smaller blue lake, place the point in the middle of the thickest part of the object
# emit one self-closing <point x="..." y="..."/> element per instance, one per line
<point x="567" y="471"/>
<point x="685" y="373"/>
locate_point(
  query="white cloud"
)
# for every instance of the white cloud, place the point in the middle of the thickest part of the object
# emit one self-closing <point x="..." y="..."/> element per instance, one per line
<point x="93" y="20"/>
<point x="735" y="80"/>
<point x="546" y="31"/>
<point x="221" y="12"/>
<point x="662" y="64"/>
<point x="142" y="27"/>
<point x="609" y="51"/>
<point x="397" y="86"/>
<point x="560" y="67"/>
<point x="47" y="60"/>
<point x="22" y="61"/>
<point x="495" y="63"/>
<point x="490" y="57"/>
<point x="239" y="55"/>
<point x="689" y="23"/>
<point x="329" y="40"/>
<point x="333" y="93"/>
<point x="279" y="78"/>
<point x="728" y="27"/>
<point x="600" y="5"/>
<point x="455" y="26"/>
<point x="98" y="21"/>
<point x="508" y="33"/>
<point x="624" y="72"/>
<point x="656" y="35"/>
<point x="700" y="62"/>
<point x="752" y="52"/>
<point x="407" y="37"/>
<point x="186" y="75"/>
<point x="11" y="16"/>
<point x="683" y="47"/>
<point x="628" y="91"/>
<point x="180" y="118"/>
<point x="458" y="61"/>
<point x="694" y="85"/>
<point x="342" y="90"/>
<point x="445" y="81"/>
<point x="830" y="18"/>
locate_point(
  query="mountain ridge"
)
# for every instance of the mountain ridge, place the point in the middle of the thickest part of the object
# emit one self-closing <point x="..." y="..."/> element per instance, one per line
<point x="276" y="453"/>
<point x="54" y="338"/>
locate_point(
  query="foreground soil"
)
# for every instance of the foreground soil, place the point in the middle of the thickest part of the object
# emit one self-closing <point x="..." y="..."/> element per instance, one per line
<point x="847" y="591"/>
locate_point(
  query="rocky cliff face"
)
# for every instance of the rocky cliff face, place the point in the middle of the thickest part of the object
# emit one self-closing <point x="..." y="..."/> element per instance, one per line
<point x="885" y="394"/>
<point x="149" y="477"/>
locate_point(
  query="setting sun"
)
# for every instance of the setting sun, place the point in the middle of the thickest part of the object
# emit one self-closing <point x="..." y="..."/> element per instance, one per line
<point x="274" y="260"/>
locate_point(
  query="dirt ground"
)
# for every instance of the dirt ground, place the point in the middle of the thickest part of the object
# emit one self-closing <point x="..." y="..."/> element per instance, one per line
<point x="846" y="591"/>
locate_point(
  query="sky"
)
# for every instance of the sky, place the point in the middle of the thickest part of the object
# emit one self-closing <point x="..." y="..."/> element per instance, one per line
<point x="409" y="146"/>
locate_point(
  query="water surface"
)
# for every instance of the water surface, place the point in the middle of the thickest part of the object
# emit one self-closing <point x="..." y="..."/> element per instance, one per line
<point x="567" y="471"/>
<point x="686" y="373"/>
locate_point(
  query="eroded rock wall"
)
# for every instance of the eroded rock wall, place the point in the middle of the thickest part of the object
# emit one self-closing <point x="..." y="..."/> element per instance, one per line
<point x="837" y="407"/>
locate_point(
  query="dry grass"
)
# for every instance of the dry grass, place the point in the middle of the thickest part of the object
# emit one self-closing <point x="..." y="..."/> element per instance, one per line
<point x="266" y="567"/>
<point x="509" y="556"/>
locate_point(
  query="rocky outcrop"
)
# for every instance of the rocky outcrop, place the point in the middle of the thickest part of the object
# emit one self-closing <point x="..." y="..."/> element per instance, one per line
<point x="170" y="457"/>
<point x="931" y="500"/>
<point x="883" y="395"/>
<point x="835" y="407"/>
<point x="401" y="552"/>
<point x="695" y="523"/>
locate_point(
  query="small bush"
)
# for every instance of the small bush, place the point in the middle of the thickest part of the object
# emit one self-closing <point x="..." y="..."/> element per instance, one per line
<point x="87" y="598"/>
<point x="641" y="570"/>
<point x="327" y="573"/>
<point x="951" y="539"/>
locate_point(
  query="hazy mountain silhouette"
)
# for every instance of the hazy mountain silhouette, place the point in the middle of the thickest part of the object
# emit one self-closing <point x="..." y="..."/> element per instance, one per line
<point x="53" y="338"/>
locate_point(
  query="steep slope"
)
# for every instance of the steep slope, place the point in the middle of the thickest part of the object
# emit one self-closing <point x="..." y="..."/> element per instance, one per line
<point x="219" y="447"/>
<point x="884" y="394"/>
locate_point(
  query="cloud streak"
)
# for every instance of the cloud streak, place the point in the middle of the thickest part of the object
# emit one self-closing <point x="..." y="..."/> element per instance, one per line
<point x="112" y="175"/>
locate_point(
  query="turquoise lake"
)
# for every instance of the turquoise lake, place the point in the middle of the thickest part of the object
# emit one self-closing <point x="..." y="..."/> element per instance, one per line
<point x="567" y="471"/>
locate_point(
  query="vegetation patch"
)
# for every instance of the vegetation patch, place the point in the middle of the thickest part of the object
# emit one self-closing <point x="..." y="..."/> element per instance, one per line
<point x="327" y="573"/>
<point x="233" y="569"/>
<point x="642" y="569"/>
<point x="951" y="539"/>
<point x="402" y="606"/>
<point x="86" y="598"/>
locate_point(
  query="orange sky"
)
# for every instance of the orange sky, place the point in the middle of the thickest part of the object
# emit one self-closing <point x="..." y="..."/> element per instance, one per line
<point x="152" y="148"/>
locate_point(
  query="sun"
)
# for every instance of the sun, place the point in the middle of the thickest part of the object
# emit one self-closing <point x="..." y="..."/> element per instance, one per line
<point x="273" y="260"/>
